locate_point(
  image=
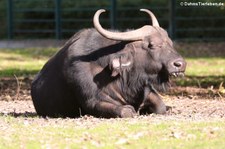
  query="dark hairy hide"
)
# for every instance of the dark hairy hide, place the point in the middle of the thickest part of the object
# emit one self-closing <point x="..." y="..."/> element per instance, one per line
<point x="104" y="78"/>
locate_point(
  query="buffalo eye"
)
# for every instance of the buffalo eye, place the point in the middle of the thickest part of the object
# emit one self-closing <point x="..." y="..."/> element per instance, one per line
<point x="155" y="46"/>
<point x="151" y="45"/>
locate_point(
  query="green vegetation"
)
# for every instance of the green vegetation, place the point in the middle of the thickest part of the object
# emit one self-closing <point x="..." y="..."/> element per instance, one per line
<point x="112" y="133"/>
<point x="205" y="72"/>
<point x="206" y="66"/>
<point x="21" y="62"/>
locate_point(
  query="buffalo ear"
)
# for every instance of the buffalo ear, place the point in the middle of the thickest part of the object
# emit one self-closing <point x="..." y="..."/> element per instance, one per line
<point x="121" y="62"/>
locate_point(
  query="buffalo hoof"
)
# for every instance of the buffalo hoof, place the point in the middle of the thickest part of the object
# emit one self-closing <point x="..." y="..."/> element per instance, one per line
<point x="127" y="111"/>
<point x="161" y="110"/>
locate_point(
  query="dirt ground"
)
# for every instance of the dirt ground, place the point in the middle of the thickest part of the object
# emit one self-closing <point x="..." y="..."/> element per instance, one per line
<point x="188" y="103"/>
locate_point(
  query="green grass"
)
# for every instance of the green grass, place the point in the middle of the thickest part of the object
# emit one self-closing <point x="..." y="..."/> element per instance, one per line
<point x="205" y="66"/>
<point x="22" y="62"/>
<point x="112" y="133"/>
<point x="31" y="60"/>
<point x="203" y="72"/>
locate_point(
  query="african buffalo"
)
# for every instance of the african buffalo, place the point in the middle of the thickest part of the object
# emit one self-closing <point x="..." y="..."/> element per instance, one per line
<point x="108" y="73"/>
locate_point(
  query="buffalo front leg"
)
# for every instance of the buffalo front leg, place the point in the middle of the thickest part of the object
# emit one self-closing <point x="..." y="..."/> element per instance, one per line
<point x="152" y="104"/>
<point x="110" y="110"/>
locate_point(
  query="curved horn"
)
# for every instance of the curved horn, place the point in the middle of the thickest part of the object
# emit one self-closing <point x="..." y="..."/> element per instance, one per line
<point x="153" y="18"/>
<point x="133" y="35"/>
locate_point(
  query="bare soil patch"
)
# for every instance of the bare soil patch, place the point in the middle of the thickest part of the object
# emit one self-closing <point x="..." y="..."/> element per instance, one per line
<point x="188" y="103"/>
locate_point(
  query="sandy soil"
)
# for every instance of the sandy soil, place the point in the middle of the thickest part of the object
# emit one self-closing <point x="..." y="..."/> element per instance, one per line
<point x="188" y="103"/>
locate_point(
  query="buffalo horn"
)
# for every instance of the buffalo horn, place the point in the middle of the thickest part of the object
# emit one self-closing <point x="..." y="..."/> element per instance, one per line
<point x="153" y="18"/>
<point x="133" y="35"/>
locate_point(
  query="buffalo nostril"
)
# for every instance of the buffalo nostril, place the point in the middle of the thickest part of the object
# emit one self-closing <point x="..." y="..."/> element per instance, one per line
<point x="178" y="64"/>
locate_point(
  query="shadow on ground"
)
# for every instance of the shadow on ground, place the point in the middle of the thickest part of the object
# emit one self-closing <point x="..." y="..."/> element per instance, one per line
<point x="20" y="114"/>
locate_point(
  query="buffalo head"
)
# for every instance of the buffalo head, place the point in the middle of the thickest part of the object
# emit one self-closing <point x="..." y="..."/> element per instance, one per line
<point x="154" y="49"/>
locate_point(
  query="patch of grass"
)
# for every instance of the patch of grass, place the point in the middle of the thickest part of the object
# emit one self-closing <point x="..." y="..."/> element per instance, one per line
<point x="205" y="66"/>
<point x="202" y="81"/>
<point x="22" y="62"/>
<point x="203" y="72"/>
<point x="111" y="133"/>
<point x="32" y="52"/>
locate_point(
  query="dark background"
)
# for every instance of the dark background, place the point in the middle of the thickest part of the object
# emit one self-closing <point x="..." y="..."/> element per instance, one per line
<point x="60" y="19"/>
